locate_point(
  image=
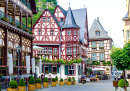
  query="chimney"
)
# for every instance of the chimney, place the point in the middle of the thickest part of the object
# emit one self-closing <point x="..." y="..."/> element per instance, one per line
<point x="98" y="19"/>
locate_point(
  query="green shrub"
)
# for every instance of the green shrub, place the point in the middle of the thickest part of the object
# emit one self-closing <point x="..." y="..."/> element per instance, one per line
<point x="38" y="80"/>
<point x="104" y="63"/>
<point x="121" y="83"/>
<point x="13" y="84"/>
<point x="32" y="81"/>
<point x="30" y="77"/>
<point x="45" y="79"/>
<point x="108" y="62"/>
<point x="69" y="79"/>
<point x="21" y="82"/>
<point x="73" y="78"/>
<point x="61" y="80"/>
<point x="56" y="78"/>
<point x="53" y="80"/>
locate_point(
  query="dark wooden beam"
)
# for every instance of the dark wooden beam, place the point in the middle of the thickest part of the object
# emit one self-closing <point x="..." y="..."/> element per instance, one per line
<point x="6" y="8"/>
<point x="21" y="16"/>
<point x="14" y="6"/>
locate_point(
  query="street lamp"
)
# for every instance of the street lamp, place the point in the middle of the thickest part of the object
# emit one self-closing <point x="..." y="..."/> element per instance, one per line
<point x="18" y="51"/>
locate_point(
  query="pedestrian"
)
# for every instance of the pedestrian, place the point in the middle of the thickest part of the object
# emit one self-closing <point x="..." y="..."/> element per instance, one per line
<point x="122" y="77"/>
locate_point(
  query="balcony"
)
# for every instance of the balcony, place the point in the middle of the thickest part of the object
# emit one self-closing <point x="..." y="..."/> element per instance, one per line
<point x="25" y="3"/>
<point x="17" y="24"/>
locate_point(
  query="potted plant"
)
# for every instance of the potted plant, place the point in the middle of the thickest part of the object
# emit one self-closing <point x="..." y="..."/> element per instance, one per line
<point x="13" y="84"/>
<point x="38" y="83"/>
<point x="61" y="83"/>
<point x="13" y="23"/>
<point x="45" y="82"/>
<point x="56" y="79"/>
<point x="73" y="81"/>
<point x="21" y="86"/>
<point x="121" y="83"/>
<point x="104" y="63"/>
<point x="53" y="83"/>
<point x="108" y="63"/>
<point x="69" y="81"/>
<point x="31" y="85"/>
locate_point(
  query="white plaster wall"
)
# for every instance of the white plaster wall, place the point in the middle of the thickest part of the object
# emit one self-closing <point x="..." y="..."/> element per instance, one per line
<point x="17" y="18"/>
<point x="2" y="9"/>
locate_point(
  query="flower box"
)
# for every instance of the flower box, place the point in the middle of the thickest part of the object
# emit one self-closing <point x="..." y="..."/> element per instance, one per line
<point x="101" y="47"/>
<point x="54" y="72"/>
<point x="13" y="23"/>
<point x="5" y="19"/>
<point x="93" y="47"/>
<point x="19" y="26"/>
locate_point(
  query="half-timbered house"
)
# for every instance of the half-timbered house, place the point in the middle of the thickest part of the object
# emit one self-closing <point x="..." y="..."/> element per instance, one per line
<point x="99" y="48"/>
<point x="62" y="35"/>
<point x="14" y="33"/>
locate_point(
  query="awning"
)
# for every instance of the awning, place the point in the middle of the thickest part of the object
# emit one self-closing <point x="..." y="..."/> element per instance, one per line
<point x="37" y="48"/>
<point x="97" y="69"/>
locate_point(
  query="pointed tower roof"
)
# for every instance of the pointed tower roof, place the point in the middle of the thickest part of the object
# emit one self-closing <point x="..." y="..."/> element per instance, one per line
<point x="97" y="26"/>
<point x="70" y="21"/>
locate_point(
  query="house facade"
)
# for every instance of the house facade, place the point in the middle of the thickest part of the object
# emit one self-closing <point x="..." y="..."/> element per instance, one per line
<point x="126" y="21"/>
<point x="99" y="48"/>
<point x="62" y="35"/>
<point x="14" y="33"/>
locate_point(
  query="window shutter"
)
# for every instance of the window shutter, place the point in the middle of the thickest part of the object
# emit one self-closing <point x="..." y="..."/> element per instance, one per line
<point x="49" y="68"/>
<point x="42" y="68"/>
<point x="66" y="69"/>
<point x="57" y="68"/>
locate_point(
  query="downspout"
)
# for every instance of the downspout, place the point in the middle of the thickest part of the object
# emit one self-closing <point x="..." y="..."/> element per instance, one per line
<point x="60" y="52"/>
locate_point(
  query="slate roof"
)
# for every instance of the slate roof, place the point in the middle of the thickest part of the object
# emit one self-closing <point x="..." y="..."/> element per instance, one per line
<point x="69" y="20"/>
<point x="97" y="26"/>
<point x="126" y="16"/>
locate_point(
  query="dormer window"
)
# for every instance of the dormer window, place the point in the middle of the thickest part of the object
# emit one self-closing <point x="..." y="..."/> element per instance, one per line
<point x="61" y="19"/>
<point x="68" y="32"/>
<point x="97" y="33"/>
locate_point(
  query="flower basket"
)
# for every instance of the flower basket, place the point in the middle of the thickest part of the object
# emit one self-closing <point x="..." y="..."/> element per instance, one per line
<point x="26" y="30"/>
<point x="54" y="72"/>
<point x="19" y="26"/>
<point x="13" y="23"/>
<point x="5" y="19"/>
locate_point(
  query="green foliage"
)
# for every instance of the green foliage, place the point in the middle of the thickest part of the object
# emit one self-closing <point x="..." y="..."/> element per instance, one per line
<point x="53" y="80"/>
<point x="30" y="77"/>
<point x="38" y="80"/>
<point x="13" y="84"/>
<point x="32" y="81"/>
<point x="121" y="83"/>
<point x="1" y="75"/>
<point x="69" y="79"/>
<point x="109" y="62"/>
<point x="90" y="70"/>
<point x="104" y="63"/>
<point x="51" y="9"/>
<point x="56" y="78"/>
<point x="0" y="86"/>
<point x="61" y="80"/>
<point x="73" y="78"/>
<point x="45" y="79"/>
<point x="21" y="82"/>
<point x="96" y="63"/>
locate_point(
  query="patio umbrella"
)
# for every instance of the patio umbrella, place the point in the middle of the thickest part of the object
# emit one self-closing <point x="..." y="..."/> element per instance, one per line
<point x="10" y="60"/>
<point x="40" y="66"/>
<point x="28" y="64"/>
<point x="37" y="47"/>
<point x="33" y="65"/>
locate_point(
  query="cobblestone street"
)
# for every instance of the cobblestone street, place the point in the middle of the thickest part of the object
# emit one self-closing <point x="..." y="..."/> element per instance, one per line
<point x="102" y="85"/>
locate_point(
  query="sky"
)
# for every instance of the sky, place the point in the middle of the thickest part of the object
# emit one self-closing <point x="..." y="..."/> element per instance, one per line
<point x="110" y="13"/>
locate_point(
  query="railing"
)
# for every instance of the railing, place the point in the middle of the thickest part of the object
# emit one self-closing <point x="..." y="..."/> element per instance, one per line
<point x="10" y="19"/>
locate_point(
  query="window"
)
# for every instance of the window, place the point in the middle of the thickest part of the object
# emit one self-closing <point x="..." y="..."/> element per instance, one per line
<point x="15" y="58"/>
<point x="78" y="33"/>
<point x="48" y="19"/>
<point x="74" y="44"/>
<point x="69" y="51"/>
<point x="94" y="44"/>
<point x="39" y="32"/>
<point x="94" y="56"/>
<point x="44" y="19"/>
<point x="127" y="35"/>
<point x="54" y="50"/>
<point x="97" y="33"/>
<point x="46" y="68"/>
<point x="101" y="56"/>
<point x="68" y="32"/>
<point x="23" y="59"/>
<point x="74" y="32"/>
<point x="68" y="44"/>
<point x="54" y="68"/>
<point x="49" y="50"/>
<point x="45" y="50"/>
<point x="71" y="70"/>
<point x="61" y="19"/>
<point x="101" y="43"/>
<point x="52" y="32"/>
<point x="1" y="56"/>
<point x="40" y="51"/>
<point x="74" y="50"/>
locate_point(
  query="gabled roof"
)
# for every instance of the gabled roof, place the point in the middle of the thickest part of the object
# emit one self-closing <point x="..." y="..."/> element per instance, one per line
<point x="51" y="15"/>
<point x="64" y="12"/>
<point x="69" y="20"/>
<point x="97" y="26"/>
<point x="33" y="6"/>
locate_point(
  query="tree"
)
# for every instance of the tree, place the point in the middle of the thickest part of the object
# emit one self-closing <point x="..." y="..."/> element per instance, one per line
<point x="121" y="59"/>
